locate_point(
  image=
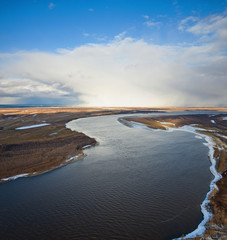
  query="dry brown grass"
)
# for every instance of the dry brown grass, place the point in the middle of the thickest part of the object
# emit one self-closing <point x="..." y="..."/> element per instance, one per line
<point x="39" y="110"/>
<point x="40" y="155"/>
<point x="148" y="121"/>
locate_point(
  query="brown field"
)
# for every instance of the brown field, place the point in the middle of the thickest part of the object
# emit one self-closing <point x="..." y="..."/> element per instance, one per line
<point x="216" y="227"/>
<point x="37" y="110"/>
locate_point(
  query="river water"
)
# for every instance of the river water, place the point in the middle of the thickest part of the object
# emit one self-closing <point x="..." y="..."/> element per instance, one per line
<point x="136" y="184"/>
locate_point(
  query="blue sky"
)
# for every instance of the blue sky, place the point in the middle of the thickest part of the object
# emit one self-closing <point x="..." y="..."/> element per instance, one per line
<point x="48" y="25"/>
<point x="113" y="52"/>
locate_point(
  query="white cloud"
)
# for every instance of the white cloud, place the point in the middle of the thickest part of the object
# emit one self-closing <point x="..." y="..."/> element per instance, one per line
<point x="184" y="23"/>
<point x="123" y="72"/>
<point x="86" y="34"/>
<point x="212" y="29"/>
<point x="51" y="6"/>
<point x="90" y="9"/>
<point x="209" y="25"/>
<point x="152" y="23"/>
<point x="120" y="36"/>
<point x="145" y="16"/>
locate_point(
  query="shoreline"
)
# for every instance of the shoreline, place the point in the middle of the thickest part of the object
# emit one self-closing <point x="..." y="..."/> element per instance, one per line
<point x="200" y="231"/>
<point x="34" y="141"/>
<point x="32" y="174"/>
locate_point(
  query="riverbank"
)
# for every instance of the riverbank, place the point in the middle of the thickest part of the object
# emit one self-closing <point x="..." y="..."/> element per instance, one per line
<point x="34" y="141"/>
<point x="29" y="148"/>
<point x="214" y="129"/>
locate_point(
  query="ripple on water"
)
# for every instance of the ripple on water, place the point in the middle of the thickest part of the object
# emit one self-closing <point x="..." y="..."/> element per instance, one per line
<point x="135" y="185"/>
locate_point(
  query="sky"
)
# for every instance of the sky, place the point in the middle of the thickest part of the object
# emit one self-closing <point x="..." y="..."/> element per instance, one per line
<point x="113" y="52"/>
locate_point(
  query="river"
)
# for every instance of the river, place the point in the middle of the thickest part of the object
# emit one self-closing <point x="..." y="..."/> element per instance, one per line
<point x="135" y="184"/>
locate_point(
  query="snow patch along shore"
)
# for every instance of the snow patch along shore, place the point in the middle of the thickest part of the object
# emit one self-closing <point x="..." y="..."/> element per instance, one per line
<point x="15" y="177"/>
<point x="78" y="156"/>
<point x="198" y="137"/>
<point x="87" y="146"/>
<point x="210" y="144"/>
<point x="32" y="126"/>
<point x="73" y="158"/>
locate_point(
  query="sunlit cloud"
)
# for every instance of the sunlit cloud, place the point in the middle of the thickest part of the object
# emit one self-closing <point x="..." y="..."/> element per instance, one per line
<point x="122" y="72"/>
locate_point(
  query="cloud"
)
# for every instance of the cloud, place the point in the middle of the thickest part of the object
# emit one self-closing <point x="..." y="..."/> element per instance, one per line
<point x="184" y="23"/>
<point x="145" y="16"/>
<point x="209" y="25"/>
<point x="86" y="34"/>
<point x="122" y="72"/>
<point x="120" y="36"/>
<point x="90" y="9"/>
<point x="51" y="6"/>
<point x="152" y="23"/>
<point x="211" y="29"/>
<point x="35" y="91"/>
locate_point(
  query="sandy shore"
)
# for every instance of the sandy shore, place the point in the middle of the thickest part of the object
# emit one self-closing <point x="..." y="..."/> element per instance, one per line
<point x="213" y="128"/>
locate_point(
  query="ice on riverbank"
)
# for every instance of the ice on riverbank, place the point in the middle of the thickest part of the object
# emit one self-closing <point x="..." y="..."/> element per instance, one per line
<point x="87" y="146"/>
<point x="32" y="126"/>
<point x="15" y="177"/>
<point x="198" y="137"/>
<point x="73" y="158"/>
